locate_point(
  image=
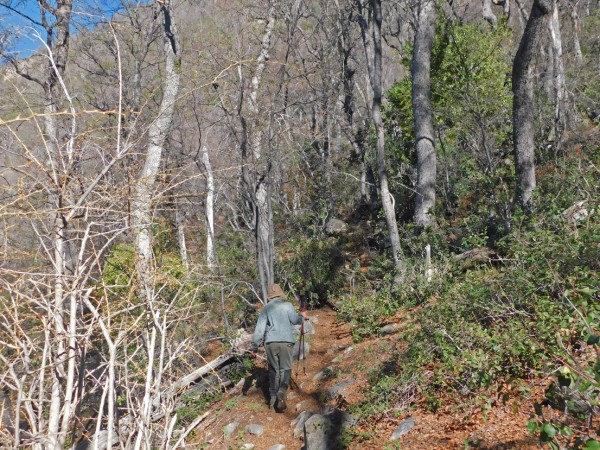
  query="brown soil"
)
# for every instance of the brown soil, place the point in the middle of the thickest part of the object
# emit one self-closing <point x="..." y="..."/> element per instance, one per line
<point x="497" y="423"/>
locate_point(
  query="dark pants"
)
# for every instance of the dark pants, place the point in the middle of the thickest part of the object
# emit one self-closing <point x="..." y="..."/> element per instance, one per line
<point x="279" y="356"/>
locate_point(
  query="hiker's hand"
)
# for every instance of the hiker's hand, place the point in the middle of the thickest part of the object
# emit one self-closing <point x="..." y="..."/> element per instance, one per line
<point x="303" y="312"/>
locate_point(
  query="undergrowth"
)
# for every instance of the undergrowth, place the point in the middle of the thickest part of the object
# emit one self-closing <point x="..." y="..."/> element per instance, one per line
<point x="524" y="313"/>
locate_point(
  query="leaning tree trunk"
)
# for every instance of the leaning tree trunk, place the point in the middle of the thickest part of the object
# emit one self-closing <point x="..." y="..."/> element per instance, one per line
<point x="522" y="85"/>
<point x="142" y="201"/>
<point x="423" y="113"/>
<point x="157" y="134"/>
<point x="371" y="33"/>
<point x="257" y="183"/>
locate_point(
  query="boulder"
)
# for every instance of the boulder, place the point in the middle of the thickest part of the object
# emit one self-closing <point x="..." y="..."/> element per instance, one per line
<point x="576" y="213"/>
<point x="573" y="399"/>
<point x="403" y="428"/>
<point x="390" y="328"/>
<point x="100" y="442"/>
<point x="229" y="429"/>
<point x="335" y="226"/>
<point x="255" y="429"/>
<point x="336" y="390"/>
<point x="325" y="373"/>
<point x="324" y="431"/>
<point x="319" y="433"/>
<point x="299" y="421"/>
<point x="476" y="257"/>
<point x="308" y="328"/>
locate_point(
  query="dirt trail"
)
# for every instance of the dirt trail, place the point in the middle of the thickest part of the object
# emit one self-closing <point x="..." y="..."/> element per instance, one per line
<point x="498" y="425"/>
<point x="330" y="339"/>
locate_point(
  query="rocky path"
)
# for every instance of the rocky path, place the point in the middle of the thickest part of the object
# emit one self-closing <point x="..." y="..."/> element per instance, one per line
<point x="242" y="418"/>
<point x="334" y="376"/>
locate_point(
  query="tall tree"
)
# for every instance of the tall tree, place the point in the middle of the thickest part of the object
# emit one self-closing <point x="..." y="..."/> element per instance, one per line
<point x="576" y="29"/>
<point x="423" y="113"/>
<point x="256" y="166"/>
<point x="370" y="18"/>
<point x="59" y="161"/>
<point x="356" y="124"/>
<point x="142" y="209"/>
<point x="522" y="84"/>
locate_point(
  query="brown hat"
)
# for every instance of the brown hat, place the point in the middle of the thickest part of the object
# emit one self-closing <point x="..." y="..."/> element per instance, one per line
<point x="275" y="291"/>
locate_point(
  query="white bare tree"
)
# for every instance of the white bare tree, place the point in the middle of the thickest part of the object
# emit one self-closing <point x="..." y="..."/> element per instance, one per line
<point x="370" y="19"/>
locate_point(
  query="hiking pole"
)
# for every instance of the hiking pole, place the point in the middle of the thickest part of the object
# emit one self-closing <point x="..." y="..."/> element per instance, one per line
<point x="303" y="338"/>
<point x="301" y="350"/>
<point x="301" y="342"/>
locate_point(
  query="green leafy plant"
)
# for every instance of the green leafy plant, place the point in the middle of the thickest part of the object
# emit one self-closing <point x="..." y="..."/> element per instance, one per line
<point x="576" y="388"/>
<point x="311" y="267"/>
<point x="195" y="403"/>
<point x="365" y="312"/>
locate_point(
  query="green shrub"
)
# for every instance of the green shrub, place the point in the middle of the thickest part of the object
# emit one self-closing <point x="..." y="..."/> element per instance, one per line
<point x="365" y="312"/>
<point x="497" y="323"/>
<point x="193" y="404"/>
<point x="576" y="386"/>
<point x="311" y="267"/>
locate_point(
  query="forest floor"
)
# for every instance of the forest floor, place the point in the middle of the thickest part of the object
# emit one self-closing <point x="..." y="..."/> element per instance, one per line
<point x="481" y="422"/>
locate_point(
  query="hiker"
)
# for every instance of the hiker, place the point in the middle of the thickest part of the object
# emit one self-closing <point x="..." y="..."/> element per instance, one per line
<point x="274" y="330"/>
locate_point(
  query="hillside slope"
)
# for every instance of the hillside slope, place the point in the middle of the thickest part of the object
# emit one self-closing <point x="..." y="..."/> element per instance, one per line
<point x="345" y="367"/>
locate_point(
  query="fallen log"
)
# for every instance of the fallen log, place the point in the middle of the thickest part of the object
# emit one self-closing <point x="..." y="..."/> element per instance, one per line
<point x="191" y="378"/>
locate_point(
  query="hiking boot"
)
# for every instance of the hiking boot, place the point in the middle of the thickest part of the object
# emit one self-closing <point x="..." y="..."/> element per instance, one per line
<point x="280" y="405"/>
<point x="272" y="403"/>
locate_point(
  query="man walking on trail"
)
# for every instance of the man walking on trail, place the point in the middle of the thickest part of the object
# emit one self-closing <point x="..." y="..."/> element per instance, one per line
<point x="274" y="329"/>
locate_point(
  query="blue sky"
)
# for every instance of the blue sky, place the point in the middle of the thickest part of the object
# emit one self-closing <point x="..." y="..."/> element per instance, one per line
<point x="85" y="14"/>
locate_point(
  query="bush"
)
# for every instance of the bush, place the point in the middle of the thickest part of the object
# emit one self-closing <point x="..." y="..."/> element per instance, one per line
<point x="311" y="267"/>
<point x="365" y="312"/>
<point x="499" y="322"/>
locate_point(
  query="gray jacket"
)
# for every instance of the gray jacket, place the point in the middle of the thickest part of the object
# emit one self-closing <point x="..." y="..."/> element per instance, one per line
<point x="275" y="323"/>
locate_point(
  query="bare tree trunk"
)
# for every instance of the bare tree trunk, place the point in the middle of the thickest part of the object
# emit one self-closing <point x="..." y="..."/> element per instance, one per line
<point x="428" y="267"/>
<point x="157" y="134"/>
<point x="59" y="165"/>
<point x="547" y="70"/>
<point x="522" y="85"/>
<point x="423" y="113"/>
<point x="354" y="130"/>
<point x="264" y="232"/>
<point x="522" y="12"/>
<point x="561" y="108"/>
<point x="209" y="210"/>
<point x="259" y="190"/>
<point x="507" y="8"/>
<point x="371" y="33"/>
<point x="142" y="204"/>
<point x="576" y="44"/>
